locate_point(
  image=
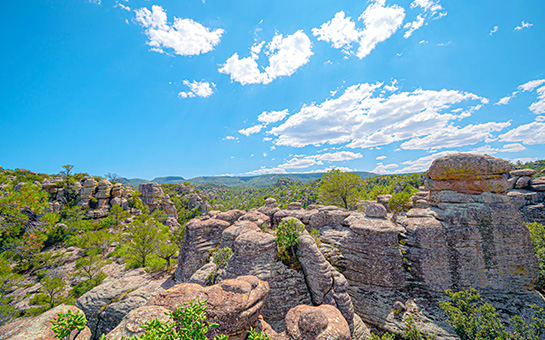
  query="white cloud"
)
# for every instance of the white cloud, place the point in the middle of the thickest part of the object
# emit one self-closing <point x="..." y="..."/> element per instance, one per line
<point x="363" y="120"/>
<point x="197" y="89"/>
<point x="487" y="149"/>
<point x="413" y="26"/>
<point x="393" y="87"/>
<point x="539" y="106"/>
<point x="504" y="100"/>
<point x="453" y="136"/>
<point x="96" y="2"/>
<point x="379" y="158"/>
<point x="340" y="31"/>
<point x="185" y="36"/>
<point x="251" y="130"/>
<point x="493" y="30"/>
<point x="531" y="85"/>
<point x="285" y="54"/>
<point x="127" y="8"/>
<point x="423" y="163"/>
<point x="523" y="25"/>
<point x="529" y="134"/>
<point x="230" y="138"/>
<point x="383" y="169"/>
<point x="302" y="161"/>
<point x="431" y="10"/>
<point x="380" y="23"/>
<point x="269" y="117"/>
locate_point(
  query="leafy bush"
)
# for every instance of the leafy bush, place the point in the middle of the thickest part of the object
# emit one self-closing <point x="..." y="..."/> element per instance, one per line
<point x="400" y="202"/>
<point x="93" y="202"/>
<point x="255" y="334"/>
<point x="66" y="323"/>
<point x="287" y="238"/>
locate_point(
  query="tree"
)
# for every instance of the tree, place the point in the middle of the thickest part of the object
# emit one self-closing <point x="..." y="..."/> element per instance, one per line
<point x="166" y="248"/>
<point x="52" y="292"/>
<point x="67" y="170"/>
<point x="339" y="188"/>
<point x="142" y="237"/>
<point x="118" y="214"/>
<point x="112" y="177"/>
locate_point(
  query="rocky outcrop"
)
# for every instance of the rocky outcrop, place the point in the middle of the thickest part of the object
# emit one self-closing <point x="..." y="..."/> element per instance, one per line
<point x="528" y="194"/>
<point x="154" y="198"/>
<point x="107" y="304"/>
<point x="234" y="304"/>
<point x="316" y="323"/>
<point x="131" y="324"/>
<point x="39" y="327"/>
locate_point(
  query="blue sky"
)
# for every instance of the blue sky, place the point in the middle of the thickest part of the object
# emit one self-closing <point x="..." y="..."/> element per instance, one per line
<point x="152" y="88"/>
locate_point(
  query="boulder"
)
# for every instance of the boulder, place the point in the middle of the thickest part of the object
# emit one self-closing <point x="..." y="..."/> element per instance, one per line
<point x="522" y="172"/>
<point x="39" y="327"/>
<point x="295" y="206"/>
<point x="376" y="210"/>
<point x="130" y="325"/>
<point x="151" y="194"/>
<point x="538" y="184"/>
<point x="323" y="322"/>
<point x="107" y="304"/>
<point x="522" y="182"/>
<point x="258" y="218"/>
<point x="271" y="203"/>
<point x="463" y="166"/>
<point x="202" y="235"/>
<point x="234" y="304"/>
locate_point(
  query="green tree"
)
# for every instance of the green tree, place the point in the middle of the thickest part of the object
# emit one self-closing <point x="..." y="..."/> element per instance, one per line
<point x="166" y="248"/>
<point x="287" y="238"/>
<point x="339" y="188"/>
<point x="142" y="236"/>
<point x="52" y="293"/>
<point x="118" y="214"/>
<point x="67" y="170"/>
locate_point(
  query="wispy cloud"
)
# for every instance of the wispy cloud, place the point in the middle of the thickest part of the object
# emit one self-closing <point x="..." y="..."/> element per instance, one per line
<point x="523" y="25"/>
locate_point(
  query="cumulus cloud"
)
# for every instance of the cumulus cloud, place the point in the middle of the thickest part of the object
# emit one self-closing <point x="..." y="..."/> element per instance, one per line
<point x="504" y="100"/>
<point x="413" y="26"/>
<point x="379" y="158"/>
<point x="185" y="36"/>
<point x="531" y="85"/>
<point x="539" y="106"/>
<point x="363" y="119"/>
<point x="197" y="89"/>
<point x="380" y="23"/>
<point x="423" y="163"/>
<point x="302" y="161"/>
<point x="523" y="25"/>
<point x="529" y="134"/>
<point x="285" y="54"/>
<point x="453" y="136"/>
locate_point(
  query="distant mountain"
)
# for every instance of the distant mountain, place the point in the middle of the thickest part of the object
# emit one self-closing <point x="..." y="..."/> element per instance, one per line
<point x="236" y="181"/>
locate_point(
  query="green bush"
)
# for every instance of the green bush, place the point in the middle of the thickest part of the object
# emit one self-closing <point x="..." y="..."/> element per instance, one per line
<point x="400" y="202"/>
<point x="287" y="238"/>
<point x="66" y="323"/>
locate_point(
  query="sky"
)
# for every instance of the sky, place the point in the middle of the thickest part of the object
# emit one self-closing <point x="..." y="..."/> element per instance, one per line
<point x="147" y="88"/>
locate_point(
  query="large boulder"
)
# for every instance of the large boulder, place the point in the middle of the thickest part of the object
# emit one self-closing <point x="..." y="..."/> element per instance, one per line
<point x="131" y="324"/>
<point x="234" y="304"/>
<point x="39" y="327"/>
<point x="202" y="236"/>
<point x="323" y="322"/>
<point x="107" y="304"/>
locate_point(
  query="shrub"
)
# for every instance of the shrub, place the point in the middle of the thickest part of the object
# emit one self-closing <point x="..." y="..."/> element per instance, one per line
<point x="287" y="238"/>
<point x="537" y="234"/>
<point x="400" y="202"/>
<point x="68" y="322"/>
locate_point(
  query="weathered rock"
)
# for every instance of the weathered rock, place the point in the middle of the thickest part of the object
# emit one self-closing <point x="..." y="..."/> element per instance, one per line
<point x="230" y="234"/>
<point x="326" y="217"/>
<point x="523" y="172"/>
<point x="151" y="195"/>
<point x="201" y="237"/>
<point x="88" y="189"/>
<point x="255" y="253"/>
<point x="130" y="325"/>
<point x="522" y="182"/>
<point x="169" y="207"/>
<point x="384" y="200"/>
<point x="316" y="323"/>
<point x="234" y="304"/>
<point x="39" y="327"/>
<point x="258" y="218"/>
<point x="271" y="203"/>
<point x="203" y="275"/>
<point x="463" y="166"/>
<point x="105" y="305"/>
<point x="376" y="210"/>
<point x="538" y="184"/>
<point x="230" y="216"/>
<point x="295" y="206"/>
